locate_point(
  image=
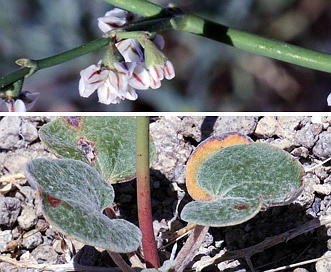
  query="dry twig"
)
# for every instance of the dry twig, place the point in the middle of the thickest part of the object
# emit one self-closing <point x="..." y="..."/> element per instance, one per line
<point x="248" y="252"/>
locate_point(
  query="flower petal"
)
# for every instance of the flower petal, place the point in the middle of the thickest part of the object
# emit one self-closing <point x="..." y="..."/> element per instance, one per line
<point x="140" y="78"/>
<point x="125" y="68"/>
<point x="329" y="100"/>
<point x="84" y="90"/>
<point x="169" y="71"/>
<point x="113" y="19"/>
<point x="131" y="50"/>
<point x="19" y="106"/>
<point x="91" y="78"/>
<point x="159" y="41"/>
<point x="156" y="72"/>
<point x="107" y="94"/>
<point x="154" y="83"/>
<point x="118" y="81"/>
<point x="12" y="105"/>
<point x="130" y="94"/>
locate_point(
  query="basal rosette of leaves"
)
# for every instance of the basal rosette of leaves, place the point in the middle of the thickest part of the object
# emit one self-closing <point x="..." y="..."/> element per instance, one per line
<point x="108" y="143"/>
<point x="239" y="180"/>
<point x="73" y="195"/>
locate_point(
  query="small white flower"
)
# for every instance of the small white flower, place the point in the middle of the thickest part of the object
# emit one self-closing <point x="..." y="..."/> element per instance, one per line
<point x="91" y="78"/>
<point x="113" y="19"/>
<point x="116" y="84"/>
<point x="140" y="78"/>
<point x="131" y="50"/>
<point x="24" y="102"/>
<point x="108" y="91"/>
<point x="15" y="105"/>
<point x="329" y="100"/>
<point x="159" y="72"/>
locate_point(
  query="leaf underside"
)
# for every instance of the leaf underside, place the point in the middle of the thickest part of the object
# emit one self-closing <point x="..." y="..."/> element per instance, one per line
<point x="240" y="179"/>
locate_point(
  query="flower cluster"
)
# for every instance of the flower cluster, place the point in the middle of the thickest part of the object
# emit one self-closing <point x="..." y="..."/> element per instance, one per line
<point x="143" y="65"/>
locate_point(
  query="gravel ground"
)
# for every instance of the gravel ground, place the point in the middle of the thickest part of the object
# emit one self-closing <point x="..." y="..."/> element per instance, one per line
<point x="28" y="240"/>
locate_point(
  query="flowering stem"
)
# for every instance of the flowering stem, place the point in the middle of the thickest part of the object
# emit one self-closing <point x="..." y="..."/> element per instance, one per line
<point x="237" y="38"/>
<point x="159" y="19"/>
<point x="144" y="194"/>
<point x="53" y="60"/>
<point x="157" y="24"/>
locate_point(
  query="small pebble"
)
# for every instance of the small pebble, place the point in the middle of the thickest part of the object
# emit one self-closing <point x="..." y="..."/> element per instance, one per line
<point x="28" y="217"/>
<point x="45" y="254"/>
<point x="323" y="189"/>
<point x="10" y="208"/>
<point x="322" y="148"/>
<point x="42" y="225"/>
<point x="9" y="131"/>
<point x="29" y="132"/>
<point x="300" y="270"/>
<point x="32" y="239"/>
<point x="5" y="237"/>
<point x="325" y="264"/>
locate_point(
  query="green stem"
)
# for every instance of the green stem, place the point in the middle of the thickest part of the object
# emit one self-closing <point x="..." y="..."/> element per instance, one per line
<point x="144" y="194"/>
<point x="257" y="44"/>
<point x="73" y="53"/>
<point x="54" y="60"/>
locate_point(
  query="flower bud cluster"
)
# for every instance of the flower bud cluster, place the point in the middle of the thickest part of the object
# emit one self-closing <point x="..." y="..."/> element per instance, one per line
<point x="141" y="64"/>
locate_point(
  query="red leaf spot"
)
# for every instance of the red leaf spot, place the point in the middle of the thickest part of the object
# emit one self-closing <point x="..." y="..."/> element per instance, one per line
<point x="53" y="201"/>
<point x="241" y="207"/>
<point x="73" y="121"/>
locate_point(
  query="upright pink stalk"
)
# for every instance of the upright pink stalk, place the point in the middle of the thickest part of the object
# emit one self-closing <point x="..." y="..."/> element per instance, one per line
<point x="144" y="194"/>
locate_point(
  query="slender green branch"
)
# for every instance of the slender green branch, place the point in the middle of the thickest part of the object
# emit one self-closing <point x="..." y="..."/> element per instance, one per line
<point x="258" y="45"/>
<point x="144" y="194"/>
<point x="54" y="60"/>
<point x="73" y="53"/>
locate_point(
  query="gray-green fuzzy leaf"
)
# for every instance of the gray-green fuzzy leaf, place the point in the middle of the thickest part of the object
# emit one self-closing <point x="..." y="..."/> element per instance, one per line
<point x="73" y="195"/>
<point x="237" y="177"/>
<point x="108" y="143"/>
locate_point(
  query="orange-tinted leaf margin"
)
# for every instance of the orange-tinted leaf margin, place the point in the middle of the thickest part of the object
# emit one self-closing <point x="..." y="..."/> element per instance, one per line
<point x="203" y="151"/>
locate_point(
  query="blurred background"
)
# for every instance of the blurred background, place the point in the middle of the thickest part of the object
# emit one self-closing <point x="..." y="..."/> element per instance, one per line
<point x="209" y="76"/>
